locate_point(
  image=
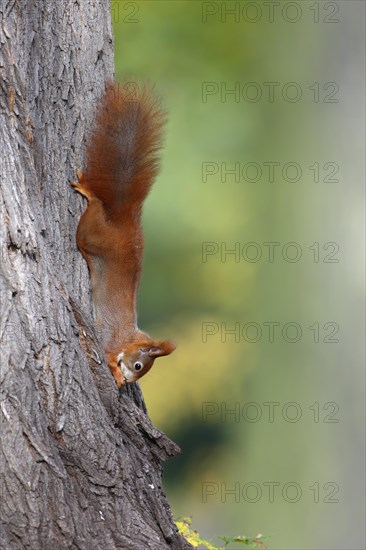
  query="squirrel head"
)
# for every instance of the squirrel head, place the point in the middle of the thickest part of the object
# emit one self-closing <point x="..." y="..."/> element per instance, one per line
<point x="137" y="358"/>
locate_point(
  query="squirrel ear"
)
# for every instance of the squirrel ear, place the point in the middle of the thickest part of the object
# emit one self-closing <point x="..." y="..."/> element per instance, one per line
<point x="162" y="348"/>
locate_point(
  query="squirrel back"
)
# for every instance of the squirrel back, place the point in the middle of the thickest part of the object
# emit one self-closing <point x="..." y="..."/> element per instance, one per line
<point x="122" y="155"/>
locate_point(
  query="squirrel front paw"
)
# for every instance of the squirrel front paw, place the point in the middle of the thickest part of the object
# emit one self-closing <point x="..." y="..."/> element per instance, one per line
<point x="117" y="375"/>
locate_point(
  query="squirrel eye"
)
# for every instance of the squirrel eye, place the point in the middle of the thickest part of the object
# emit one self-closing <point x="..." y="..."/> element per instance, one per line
<point x="138" y="366"/>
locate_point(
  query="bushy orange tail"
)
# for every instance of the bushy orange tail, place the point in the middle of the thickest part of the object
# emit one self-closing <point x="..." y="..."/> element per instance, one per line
<point x="122" y="155"/>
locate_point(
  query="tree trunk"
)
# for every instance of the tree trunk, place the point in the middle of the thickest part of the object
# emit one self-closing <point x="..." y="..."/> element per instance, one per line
<point x="81" y="462"/>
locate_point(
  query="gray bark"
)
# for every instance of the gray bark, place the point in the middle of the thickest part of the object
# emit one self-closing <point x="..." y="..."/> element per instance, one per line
<point x="81" y="463"/>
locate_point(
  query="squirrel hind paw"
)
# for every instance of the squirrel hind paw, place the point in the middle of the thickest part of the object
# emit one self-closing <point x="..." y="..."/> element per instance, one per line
<point x="80" y="188"/>
<point x="79" y="175"/>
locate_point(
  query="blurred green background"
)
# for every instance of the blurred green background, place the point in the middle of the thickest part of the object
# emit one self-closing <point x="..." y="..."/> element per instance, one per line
<point x="180" y="46"/>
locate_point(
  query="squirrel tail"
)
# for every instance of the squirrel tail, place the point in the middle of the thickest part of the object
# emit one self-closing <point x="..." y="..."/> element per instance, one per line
<point x="122" y="153"/>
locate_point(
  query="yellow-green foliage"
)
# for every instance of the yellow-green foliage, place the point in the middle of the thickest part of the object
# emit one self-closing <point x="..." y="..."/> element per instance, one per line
<point x="194" y="538"/>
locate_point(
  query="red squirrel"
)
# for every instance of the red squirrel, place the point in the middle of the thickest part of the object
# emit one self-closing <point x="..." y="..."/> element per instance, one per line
<point x="121" y="164"/>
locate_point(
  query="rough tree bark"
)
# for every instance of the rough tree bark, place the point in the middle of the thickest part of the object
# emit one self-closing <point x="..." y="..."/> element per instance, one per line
<point x="80" y="462"/>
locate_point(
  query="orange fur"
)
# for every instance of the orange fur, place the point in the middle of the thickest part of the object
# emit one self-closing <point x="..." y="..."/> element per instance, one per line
<point x="122" y="157"/>
<point x="122" y="162"/>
